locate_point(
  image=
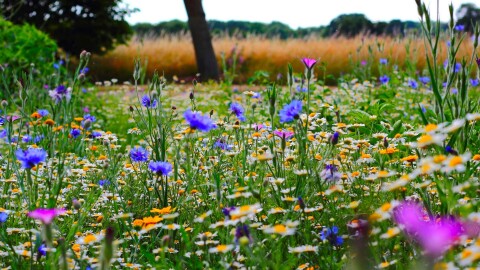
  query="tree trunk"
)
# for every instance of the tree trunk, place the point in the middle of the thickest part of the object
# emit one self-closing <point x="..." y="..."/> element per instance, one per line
<point x="202" y="41"/>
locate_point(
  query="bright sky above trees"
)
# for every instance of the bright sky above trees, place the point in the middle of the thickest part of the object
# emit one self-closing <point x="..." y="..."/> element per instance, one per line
<point x="298" y="13"/>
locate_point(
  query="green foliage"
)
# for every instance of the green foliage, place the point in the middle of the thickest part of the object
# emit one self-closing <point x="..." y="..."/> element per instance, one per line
<point x="20" y="46"/>
<point x="96" y="26"/>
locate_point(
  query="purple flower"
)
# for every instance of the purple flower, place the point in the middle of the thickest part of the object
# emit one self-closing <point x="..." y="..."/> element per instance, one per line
<point x="454" y="91"/>
<point x="384" y="79"/>
<point x="75" y="132"/>
<point x="238" y="110"/>
<point x="30" y="157"/>
<point x="139" y="154"/>
<point x="363" y="63"/>
<point x="197" y="121"/>
<point x="330" y="173"/>
<point x="291" y="111"/>
<point x="478" y="61"/>
<point x="334" y="138"/>
<point x="383" y="61"/>
<point x="148" y="102"/>
<point x="242" y="231"/>
<point x="309" y="63"/>
<point x="412" y="83"/>
<point x="160" y="167"/>
<point x="284" y="134"/>
<point x="46" y="216"/>
<point x="61" y="92"/>
<point x="226" y="211"/>
<point x="435" y="235"/>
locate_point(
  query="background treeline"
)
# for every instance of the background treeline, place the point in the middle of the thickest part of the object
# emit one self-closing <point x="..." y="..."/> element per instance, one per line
<point x="344" y="25"/>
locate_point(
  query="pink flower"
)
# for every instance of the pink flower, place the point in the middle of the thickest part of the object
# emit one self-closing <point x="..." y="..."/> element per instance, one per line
<point x="435" y="236"/>
<point x="284" y="134"/>
<point x="257" y="127"/>
<point x="308" y="62"/>
<point x="46" y="216"/>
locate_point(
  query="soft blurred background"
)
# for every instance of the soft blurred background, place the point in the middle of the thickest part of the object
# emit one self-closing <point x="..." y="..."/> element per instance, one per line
<point x="250" y="39"/>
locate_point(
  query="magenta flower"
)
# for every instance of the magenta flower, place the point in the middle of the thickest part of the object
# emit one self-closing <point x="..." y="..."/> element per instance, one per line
<point x="410" y="216"/>
<point x="46" y="216"/>
<point x="435" y="236"/>
<point x="438" y="236"/>
<point x="309" y="63"/>
<point x="284" y="134"/>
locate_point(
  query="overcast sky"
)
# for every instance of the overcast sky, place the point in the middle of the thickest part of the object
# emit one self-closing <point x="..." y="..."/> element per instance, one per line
<point x="296" y="13"/>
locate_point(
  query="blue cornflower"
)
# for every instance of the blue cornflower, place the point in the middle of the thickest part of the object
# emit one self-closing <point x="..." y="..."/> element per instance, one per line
<point x="459" y="27"/>
<point x="103" y="182"/>
<point x="96" y="134"/>
<point x="384" y="79"/>
<point x="38" y="138"/>
<point x="197" y="121"/>
<point x="238" y="110"/>
<point x="383" y="61"/>
<point x="26" y="138"/>
<point x="42" y="250"/>
<point x="30" y="157"/>
<point x="88" y="117"/>
<point x="301" y="89"/>
<point x="3" y="217"/>
<point x="160" y="167"/>
<point x="412" y="83"/>
<point x="424" y="79"/>
<point x="242" y="231"/>
<point x="334" y="138"/>
<point x="331" y="235"/>
<point x="139" y="154"/>
<point x="330" y="173"/>
<point x="474" y="82"/>
<point x="226" y="211"/>
<point x="450" y="150"/>
<point x="3" y="134"/>
<point x="291" y="111"/>
<point x="84" y="70"/>
<point x="57" y="65"/>
<point x="43" y="112"/>
<point x="222" y="145"/>
<point x="75" y="132"/>
<point x="458" y="67"/>
<point x="148" y="102"/>
<point x="256" y="95"/>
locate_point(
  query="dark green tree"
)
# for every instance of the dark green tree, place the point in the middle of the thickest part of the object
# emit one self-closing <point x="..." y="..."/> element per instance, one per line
<point x="468" y="15"/>
<point x="350" y="25"/>
<point x="93" y="25"/>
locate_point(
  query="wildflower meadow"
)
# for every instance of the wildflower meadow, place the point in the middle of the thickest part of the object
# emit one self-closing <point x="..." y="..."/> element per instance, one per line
<point x="377" y="172"/>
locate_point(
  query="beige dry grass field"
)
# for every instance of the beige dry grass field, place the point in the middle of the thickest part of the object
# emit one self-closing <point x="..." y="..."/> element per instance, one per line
<point x="174" y="55"/>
